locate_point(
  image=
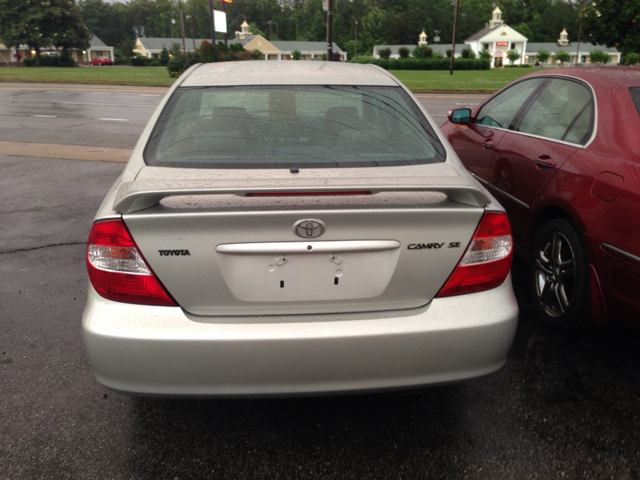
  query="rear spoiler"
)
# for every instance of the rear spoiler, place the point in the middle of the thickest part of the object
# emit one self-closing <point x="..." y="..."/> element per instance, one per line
<point x="135" y="196"/>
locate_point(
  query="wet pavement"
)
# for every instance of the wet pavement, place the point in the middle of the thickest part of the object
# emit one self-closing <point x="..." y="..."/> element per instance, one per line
<point x="564" y="406"/>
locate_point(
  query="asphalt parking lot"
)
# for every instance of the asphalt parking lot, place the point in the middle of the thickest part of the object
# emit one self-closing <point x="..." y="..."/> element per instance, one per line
<point x="564" y="406"/>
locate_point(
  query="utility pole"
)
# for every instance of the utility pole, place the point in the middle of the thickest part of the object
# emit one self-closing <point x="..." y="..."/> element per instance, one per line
<point x="172" y="23"/>
<point x="184" y="46"/>
<point x="224" y="9"/>
<point x="356" y="39"/>
<point x="579" y="38"/>
<point x="453" y="42"/>
<point x="213" y="24"/>
<point x="330" y="32"/>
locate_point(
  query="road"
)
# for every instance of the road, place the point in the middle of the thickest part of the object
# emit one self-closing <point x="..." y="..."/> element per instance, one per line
<point x="564" y="406"/>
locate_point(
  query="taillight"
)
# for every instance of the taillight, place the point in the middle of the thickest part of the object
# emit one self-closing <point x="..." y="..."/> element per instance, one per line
<point x="487" y="260"/>
<point x="118" y="271"/>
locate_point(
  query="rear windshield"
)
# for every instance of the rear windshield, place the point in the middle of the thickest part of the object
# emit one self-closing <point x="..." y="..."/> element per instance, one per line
<point x="292" y="126"/>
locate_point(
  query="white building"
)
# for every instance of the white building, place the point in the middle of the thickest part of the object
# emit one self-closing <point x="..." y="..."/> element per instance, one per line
<point x="498" y="39"/>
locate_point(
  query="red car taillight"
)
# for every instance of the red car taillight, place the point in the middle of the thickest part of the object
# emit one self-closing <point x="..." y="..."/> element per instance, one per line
<point x="487" y="261"/>
<point x="118" y="271"/>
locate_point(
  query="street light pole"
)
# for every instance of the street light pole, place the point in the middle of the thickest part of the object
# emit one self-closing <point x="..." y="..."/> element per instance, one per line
<point x="193" y="35"/>
<point x="184" y="46"/>
<point x="453" y="42"/>
<point x="330" y="32"/>
<point x="356" y="40"/>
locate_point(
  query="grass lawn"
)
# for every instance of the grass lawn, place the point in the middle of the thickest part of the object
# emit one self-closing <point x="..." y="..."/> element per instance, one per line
<point x="465" y="81"/>
<point x="462" y="81"/>
<point x="143" y="76"/>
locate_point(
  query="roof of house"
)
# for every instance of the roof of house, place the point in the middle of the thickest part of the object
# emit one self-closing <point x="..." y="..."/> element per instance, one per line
<point x="290" y="46"/>
<point x="585" y="47"/>
<point x="96" y="42"/>
<point x="482" y="33"/>
<point x="155" y="43"/>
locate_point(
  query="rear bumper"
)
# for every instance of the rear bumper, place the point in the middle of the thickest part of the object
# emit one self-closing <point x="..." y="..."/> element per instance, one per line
<point x="142" y="350"/>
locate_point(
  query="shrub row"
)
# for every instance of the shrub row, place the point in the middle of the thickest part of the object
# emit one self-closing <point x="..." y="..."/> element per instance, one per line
<point x="425" y="64"/>
<point x="63" y="60"/>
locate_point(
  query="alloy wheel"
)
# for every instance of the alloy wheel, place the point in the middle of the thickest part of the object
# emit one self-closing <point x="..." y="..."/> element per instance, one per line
<point x="555" y="274"/>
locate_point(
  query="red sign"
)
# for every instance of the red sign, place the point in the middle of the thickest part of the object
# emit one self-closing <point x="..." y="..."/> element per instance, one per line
<point x="502" y="44"/>
<point x="228" y="1"/>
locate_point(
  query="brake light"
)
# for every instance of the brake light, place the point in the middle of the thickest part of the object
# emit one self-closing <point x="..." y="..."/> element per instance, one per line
<point x="487" y="261"/>
<point x="118" y="271"/>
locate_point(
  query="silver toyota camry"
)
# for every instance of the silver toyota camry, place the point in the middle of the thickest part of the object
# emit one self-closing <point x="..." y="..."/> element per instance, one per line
<point x="295" y="228"/>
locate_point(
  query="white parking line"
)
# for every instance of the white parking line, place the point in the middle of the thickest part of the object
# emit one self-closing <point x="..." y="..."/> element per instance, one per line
<point x="45" y="116"/>
<point x="114" y="119"/>
<point x="148" y="95"/>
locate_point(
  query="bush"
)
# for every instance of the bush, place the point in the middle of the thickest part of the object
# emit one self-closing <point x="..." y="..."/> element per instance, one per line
<point x="467" y="53"/>
<point x="447" y="53"/>
<point x="384" y="53"/>
<point x="632" y="58"/>
<point x="256" y="55"/>
<point x="403" y="52"/>
<point x="437" y="56"/>
<point x="120" y="61"/>
<point x="296" y="54"/>
<point x="140" y="61"/>
<point x="324" y="57"/>
<point x="49" y="60"/>
<point x="164" y="56"/>
<point x="208" y="52"/>
<point x="29" y="62"/>
<point x="422" y="52"/>
<point x="236" y="47"/>
<point x="427" y="64"/>
<point x="179" y="63"/>
<point x="485" y="54"/>
<point x="154" y="63"/>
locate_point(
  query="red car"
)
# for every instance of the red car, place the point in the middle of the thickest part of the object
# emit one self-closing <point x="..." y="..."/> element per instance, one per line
<point x="98" y="61"/>
<point x="561" y="151"/>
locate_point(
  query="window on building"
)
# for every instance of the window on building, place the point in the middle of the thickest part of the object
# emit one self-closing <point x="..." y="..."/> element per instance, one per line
<point x="155" y="55"/>
<point x="513" y="46"/>
<point x="485" y="46"/>
<point x="583" y="59"/>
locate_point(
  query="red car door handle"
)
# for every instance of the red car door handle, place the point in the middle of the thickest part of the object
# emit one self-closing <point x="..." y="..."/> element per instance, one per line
<point x="488" y="144"/>
<point x="545" y="161"/>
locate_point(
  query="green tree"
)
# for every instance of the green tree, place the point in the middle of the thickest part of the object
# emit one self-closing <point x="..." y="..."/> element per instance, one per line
<point x="523" y="29"/>
<point x="599" y="57"/>
<point x="40" y="23"/>
<point x="614" y="23"/>
<point x="562" y="57"/>
<point x="632" y="58"/>
<point x="543" y="55"/>
<point x="513" y="55"/>
<point x="296" y="55"/>
<point x="164" y="56"/>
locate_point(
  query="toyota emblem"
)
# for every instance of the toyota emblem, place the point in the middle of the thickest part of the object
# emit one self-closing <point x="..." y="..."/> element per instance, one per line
<point x="308" y="228"/>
